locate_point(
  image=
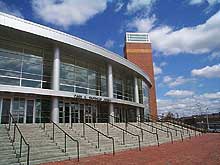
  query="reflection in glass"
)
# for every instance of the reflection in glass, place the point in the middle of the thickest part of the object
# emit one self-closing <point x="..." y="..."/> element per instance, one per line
<point x="17" y="67"/>
<point x="81" y="78"/>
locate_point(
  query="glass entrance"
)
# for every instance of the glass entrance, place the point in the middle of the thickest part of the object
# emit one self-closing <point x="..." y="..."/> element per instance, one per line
<point x="88" y="113"/>
<point x="75" y="109"/>
<point x="29" y="111"/>
<point x="120" y="113"/>
<point x="77" y="112"/>
<point x="6" y="106"/>
<point x="18" y="109"/>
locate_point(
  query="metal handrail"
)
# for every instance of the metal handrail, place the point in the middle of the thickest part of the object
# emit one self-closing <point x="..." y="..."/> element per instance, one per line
<point x="170" y="123"/>
<point x="168" y="128"/>
<point x="168" y="132"/>
<point x="65" y="135"/>
<point x="142" y="129"/>
<point x="180" y="126"/>
<point x="99" y="132"/>
<point x="21" y="139"/>
<point x="188" y="126"/>
<point x="183" y="124"/>
<point x="124" y="130"/>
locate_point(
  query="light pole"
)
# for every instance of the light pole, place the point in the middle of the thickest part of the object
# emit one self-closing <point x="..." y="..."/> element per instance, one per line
<point x="207" y="118"/>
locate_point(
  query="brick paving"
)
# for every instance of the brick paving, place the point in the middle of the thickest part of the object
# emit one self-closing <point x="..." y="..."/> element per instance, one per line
<point x="200" y="150"/>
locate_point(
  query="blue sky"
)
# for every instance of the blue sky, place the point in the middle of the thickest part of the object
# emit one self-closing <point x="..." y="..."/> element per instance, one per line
<point x="185" y="36"/>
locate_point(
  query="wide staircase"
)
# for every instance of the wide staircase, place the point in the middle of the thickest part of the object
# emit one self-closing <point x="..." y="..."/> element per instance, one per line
<point x="55" y="142"/>
<point x="7" y="152"/>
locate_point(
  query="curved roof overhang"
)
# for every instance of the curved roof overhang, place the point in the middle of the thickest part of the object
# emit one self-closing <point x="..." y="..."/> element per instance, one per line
<point x="43" y="31"/>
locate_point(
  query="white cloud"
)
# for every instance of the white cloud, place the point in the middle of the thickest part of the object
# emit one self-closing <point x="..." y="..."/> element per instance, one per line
<point x="188" y="106"/>
<point x="143" y="25"/>
<point x="10" y="10"/>
<point x="167" y="79"/>
<point x="109" y="44"/>
<point x="211" y="95"/>
<point x="198" y="2"/>
<point x="199" y="39"/>
<point x="208" y="71"/>
<point x="214" y="55"/>
<point x="137" y="5"/>
<point x="119" y="6"/>
<point x="162" y="64"/>
<point x="65" y="13"/>
<point x="176" y="81"/>
<point x="179" y="93"/>
<point x="157" y="69"/>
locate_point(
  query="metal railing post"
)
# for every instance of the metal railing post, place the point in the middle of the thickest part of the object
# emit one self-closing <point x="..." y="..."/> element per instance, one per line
<point x="78" y="150"/>
<point x="171" y="136"/>
<point x="123" y="137"/>
<point x="157" y="140"/>
<point x="14" y="132"/>
<point x="20" y="146"/>
<point x="98" y="139"/>
<point x="181" y="136"/>
<point x="65" y="143"/>
<point x="28" y="155"/>
<point x="53" y="132"/>
<point x="139" y="143"/>
<point x="142" y="135"/>
<point x="113" y="146"/>
<point x="107" y="129"/>
<point x="84" y="133"/>
<point x="9" y="123"/>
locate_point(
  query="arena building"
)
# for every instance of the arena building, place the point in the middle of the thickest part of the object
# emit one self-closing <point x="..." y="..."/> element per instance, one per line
<point x="45" y="73"/>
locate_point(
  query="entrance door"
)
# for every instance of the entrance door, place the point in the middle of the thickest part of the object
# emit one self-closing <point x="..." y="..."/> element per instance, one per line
<point x="67" y="112"/>
<point x="29" y="111"/>
<point x="81" y="109"/>
<point x="75" y="113"/>
<point x="88" y="113"/>
<point x="6" y="106"/>
<point x="18" y="109"/>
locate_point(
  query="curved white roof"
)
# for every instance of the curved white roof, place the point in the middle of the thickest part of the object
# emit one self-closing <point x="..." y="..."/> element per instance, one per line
<point x="40" y="30"/>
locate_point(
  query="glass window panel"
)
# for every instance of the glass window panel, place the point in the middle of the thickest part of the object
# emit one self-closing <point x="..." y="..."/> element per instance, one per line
<point x="10" y="73"/>
<point x="32" y="68"/>
<point x="32" y="59"/>
<point x="66" y="88"/>
<point x="81" y="90"/>
<point x="81" y="75"/>
<point x="11" y="55"/>
<point x="9" y="81"/>
<point x="10" y="64"/>
<point x="38" y="111"/>
<point x="29" y="83"/>
<point x="31" y="76"/>
<point x="93" y="92"/>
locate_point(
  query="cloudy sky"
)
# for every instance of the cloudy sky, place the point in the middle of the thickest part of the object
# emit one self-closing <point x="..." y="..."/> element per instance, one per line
<point x="185" y="36"/>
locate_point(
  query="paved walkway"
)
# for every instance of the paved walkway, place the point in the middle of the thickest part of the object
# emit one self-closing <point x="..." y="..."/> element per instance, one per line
<point x="203" y="150"/>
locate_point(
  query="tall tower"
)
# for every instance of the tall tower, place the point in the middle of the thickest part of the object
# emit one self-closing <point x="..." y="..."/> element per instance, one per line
<point x="138" y="50"/>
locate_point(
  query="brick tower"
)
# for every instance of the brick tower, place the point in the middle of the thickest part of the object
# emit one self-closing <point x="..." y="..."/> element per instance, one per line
<point x="138" y="50"/>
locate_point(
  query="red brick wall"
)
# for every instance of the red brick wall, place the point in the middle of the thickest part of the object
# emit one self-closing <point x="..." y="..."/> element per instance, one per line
<point x="141" y="55"/>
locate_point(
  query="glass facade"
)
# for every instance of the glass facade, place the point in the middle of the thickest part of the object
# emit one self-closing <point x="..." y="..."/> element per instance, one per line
<point x="25" y="65"/>
<point x="145" y="98"/>
<point x="123" y="87"/>
<point x="21" y="69"/>
<point x="83" y="77"/>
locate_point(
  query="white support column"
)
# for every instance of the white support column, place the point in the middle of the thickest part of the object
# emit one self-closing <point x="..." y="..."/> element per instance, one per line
<point x="136" y="93"/>
<point x="110" y="93"/>
<point x="110" y="81"/>
<point x="56" y="84"/>
<point x="136" y="97"/>
<point x="1" y="100"/>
